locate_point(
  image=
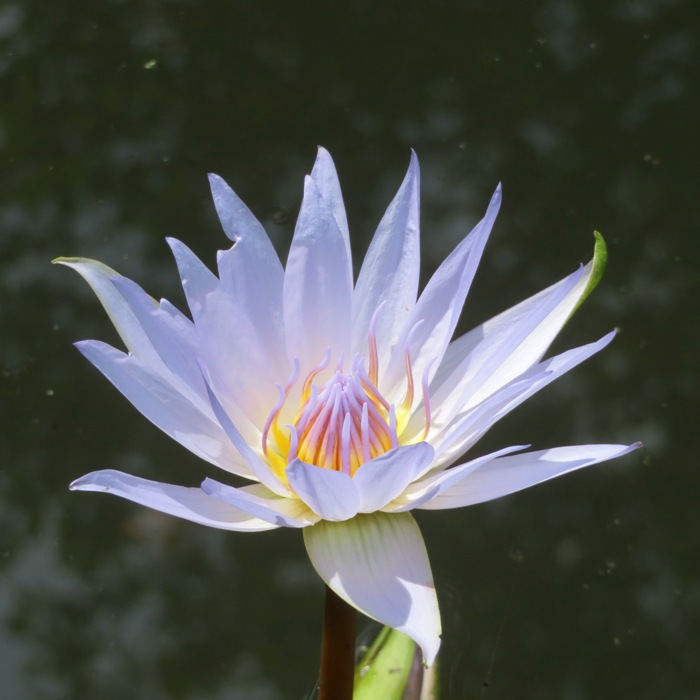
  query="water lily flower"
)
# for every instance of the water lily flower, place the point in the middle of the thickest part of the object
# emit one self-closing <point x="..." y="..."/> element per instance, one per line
<point x="346" y="406"/>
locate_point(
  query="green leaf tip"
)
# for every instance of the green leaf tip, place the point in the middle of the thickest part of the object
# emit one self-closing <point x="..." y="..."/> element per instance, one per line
<point x="65" y="260"/>
<point x="598" y="265"/>
<point x="600" y="261"/>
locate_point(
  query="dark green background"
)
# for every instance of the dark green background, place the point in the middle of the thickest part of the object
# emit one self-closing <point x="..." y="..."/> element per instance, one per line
<point x="111" y="113"/>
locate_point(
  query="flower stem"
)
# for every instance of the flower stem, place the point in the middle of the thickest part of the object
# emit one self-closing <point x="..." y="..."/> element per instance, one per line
<point x="337" y="649"/>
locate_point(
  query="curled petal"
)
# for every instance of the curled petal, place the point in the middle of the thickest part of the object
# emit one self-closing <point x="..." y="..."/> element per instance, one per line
<point x="183" y="502"/>
<point x="378" y="564"/>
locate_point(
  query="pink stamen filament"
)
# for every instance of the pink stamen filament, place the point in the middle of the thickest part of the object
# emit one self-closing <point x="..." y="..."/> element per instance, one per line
<point x="373" y="352"/>
<point x="426" y="400"/>
<point x="346" y="421"/>
<point x="271" y="421"/>
<point x="407" y="403"/>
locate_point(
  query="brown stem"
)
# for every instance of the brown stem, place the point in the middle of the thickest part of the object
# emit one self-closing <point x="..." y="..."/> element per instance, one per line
<point x="337" y="650"/>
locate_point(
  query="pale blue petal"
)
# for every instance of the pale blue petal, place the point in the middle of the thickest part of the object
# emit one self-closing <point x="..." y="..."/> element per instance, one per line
<point x="491" y="355"/>
<point x="317" y="285"/>
<point x="239" y="223"/>
<point x="165" y="406"/>
<point x="100" y="278"/>
<point x="329" y="493"/>
<point x="197" y="279"/>
<point x="426" y="489"/>
<point x="188" y="503"/>
<point x="468" y="426"/>
<point x="390" y="270"/>
<point x="284" y="512"/>
<point x="251" y="279"/>
<point x="229" y="337"/>
<point x="383" y="478"/>
<point x="243" y="353"/>
<point x="506" y="475"/>
<point x="326" y="178"/>
<point x="432" y="321"/>
<point x="378" y="564"/>
<point x="171" y="335"/>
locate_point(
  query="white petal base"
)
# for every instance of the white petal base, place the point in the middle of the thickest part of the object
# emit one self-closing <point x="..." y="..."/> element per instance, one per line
<point x="378" y="564"/>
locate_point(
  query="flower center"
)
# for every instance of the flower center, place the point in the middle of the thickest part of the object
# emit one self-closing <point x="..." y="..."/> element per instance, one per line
<point x="341" y="423"/>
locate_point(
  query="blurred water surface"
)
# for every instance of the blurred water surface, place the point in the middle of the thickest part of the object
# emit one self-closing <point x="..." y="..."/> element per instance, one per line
<point x="112" y="112"/>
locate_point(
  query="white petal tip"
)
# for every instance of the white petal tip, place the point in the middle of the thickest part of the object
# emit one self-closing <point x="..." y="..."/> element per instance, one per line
<point x="430" y="652"/>
<point x="215" y="180"/>
<point x="87" y="483"/>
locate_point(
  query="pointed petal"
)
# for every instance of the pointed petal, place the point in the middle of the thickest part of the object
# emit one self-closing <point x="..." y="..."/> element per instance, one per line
<point x="378" y="564"/>
<point x="188" y="503"/>
<point x="432" y="321"/>
<point x="384" y="478"/>
<point x="329" y="493"/>
<point x="238" y="221"/>
<point x="474" y="423"/>
<point x="165" y="406"/>
<point x="507" y="475"/>
<point x="317" y="285"/>
<point x="251" y="281"/>
<point x="100" y="278"/>
<point x="171" y="335"/>
<point x="426" y="489"/>
<point x="325" y="176"/>
<point x="224" y="333"/>
<point x="390" y="270"/>
<point x="284" y="512"/>
<point x="504" y="347"/>
<point x="197" y="279"/>
<point x="471" y="424"/>
<point x="241" y="335"/>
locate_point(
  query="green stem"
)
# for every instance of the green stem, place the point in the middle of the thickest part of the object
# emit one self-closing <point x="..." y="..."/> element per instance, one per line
<point x="337" y="650"/>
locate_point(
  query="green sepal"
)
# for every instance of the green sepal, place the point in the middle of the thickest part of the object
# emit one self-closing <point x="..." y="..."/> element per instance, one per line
<point x="88" y="261"/>
<point x="598" y="264"/>
<point x="385" y="670"/>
